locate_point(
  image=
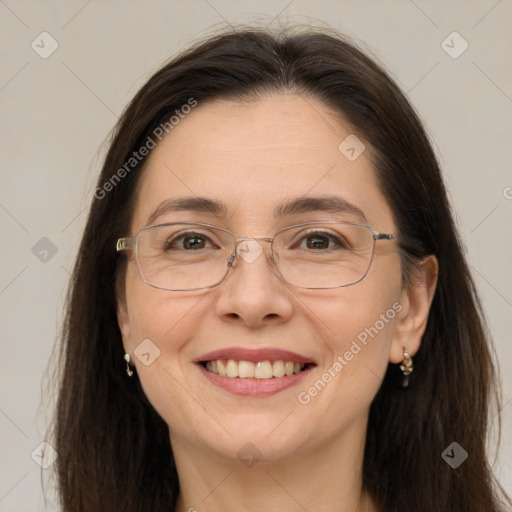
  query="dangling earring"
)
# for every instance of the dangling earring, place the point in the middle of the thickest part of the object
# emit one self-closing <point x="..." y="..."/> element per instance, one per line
<point x="129" y="371"/>
<point x="407" y="368"/>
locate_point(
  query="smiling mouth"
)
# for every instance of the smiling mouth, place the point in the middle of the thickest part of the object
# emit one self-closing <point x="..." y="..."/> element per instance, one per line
<point x="262" y="370"/>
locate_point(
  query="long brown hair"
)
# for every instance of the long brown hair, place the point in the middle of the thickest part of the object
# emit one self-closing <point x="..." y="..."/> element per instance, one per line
<point x="114" y="449"/>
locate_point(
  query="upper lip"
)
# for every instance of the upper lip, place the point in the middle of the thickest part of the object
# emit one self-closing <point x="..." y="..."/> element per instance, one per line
<point x="254" y="355"/>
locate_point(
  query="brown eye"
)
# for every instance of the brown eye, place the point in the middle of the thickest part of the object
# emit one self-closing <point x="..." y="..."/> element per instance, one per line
<point x="193" y="242"/>
<point x="318" y="241"/>
<point x="188" y="241"/>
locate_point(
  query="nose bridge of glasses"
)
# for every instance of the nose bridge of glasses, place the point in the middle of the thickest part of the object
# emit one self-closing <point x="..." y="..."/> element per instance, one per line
<point x="251" y="251"/>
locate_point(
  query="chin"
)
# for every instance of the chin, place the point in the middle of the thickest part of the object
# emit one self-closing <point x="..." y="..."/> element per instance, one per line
<point x="265" y="440"/>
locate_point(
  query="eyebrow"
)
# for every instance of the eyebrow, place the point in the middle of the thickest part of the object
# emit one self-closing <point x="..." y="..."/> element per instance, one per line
<point x="306" y="204"/>
<point x="191" y="204"/>
<point x="330" y="204"/>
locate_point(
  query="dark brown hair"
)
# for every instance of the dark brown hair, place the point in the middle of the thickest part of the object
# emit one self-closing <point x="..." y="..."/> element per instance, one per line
<point x="114" y="449"/>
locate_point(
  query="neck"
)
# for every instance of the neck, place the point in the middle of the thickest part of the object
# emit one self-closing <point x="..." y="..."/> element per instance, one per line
<point x="327" y="477"/>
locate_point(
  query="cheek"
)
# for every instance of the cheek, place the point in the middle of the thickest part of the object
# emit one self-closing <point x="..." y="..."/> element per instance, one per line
<point x="359" y="347"/>
<point x="364" y="310"/>
<point x="161" y="324"/>
<point x="357" y="326"/>
<point x="360" y="328"/>
<point x="157" y="314"/>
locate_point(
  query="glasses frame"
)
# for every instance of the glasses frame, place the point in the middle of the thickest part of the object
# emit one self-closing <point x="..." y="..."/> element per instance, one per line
<point x="130" y="243"/>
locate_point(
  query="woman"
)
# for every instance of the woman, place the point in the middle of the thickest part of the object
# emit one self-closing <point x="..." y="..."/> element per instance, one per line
<point x="271" y="309"/>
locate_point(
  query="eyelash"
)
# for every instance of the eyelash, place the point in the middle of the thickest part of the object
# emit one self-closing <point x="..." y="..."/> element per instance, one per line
<point x="183" y="236"/>
<point x="337" y="240"/>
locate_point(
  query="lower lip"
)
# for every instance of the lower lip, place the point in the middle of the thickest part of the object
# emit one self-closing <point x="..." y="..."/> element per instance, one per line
<point x="254" y="387"/>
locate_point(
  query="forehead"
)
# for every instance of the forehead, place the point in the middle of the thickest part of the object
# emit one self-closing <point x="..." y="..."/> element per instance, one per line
<point x="252" y="157"/>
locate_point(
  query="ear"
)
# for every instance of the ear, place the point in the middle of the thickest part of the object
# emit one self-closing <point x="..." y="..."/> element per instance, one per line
<point x="123" y="321"/>
<point x="416" y="302"/>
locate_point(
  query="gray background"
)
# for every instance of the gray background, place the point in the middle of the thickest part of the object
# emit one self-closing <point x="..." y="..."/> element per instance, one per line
<point x="57" y="111"/>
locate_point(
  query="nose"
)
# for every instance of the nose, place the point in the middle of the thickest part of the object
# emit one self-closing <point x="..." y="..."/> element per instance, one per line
<point x="253" y="292"/>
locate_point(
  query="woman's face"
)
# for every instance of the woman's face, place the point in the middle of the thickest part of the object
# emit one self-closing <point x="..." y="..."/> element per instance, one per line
<point x="252" y="157"/>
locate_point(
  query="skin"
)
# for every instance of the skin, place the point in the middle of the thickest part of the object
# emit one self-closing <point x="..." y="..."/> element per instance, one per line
<point x="251" y="156"/>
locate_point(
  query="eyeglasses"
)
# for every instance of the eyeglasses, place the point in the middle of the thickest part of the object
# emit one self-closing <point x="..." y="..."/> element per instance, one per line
<point x="185" y="256"/>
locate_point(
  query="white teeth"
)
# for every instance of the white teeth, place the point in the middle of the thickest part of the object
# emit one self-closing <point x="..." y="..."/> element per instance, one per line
<point x="263" y="370"/>
<point x="246" y="369"/>
<point x="232" y="368"/>
<point x="221" y="368"/>
<point x="249" y="370"/>
<point x="278" y="368"/>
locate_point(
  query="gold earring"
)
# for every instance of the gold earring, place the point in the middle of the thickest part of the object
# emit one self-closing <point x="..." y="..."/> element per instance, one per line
<point x="129" y="371"/>
<point x="407" y="368"/>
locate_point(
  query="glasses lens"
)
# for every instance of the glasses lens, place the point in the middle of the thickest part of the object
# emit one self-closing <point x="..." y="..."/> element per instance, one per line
<point x="183" y="256"/>
<point x="324" y="255"/>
